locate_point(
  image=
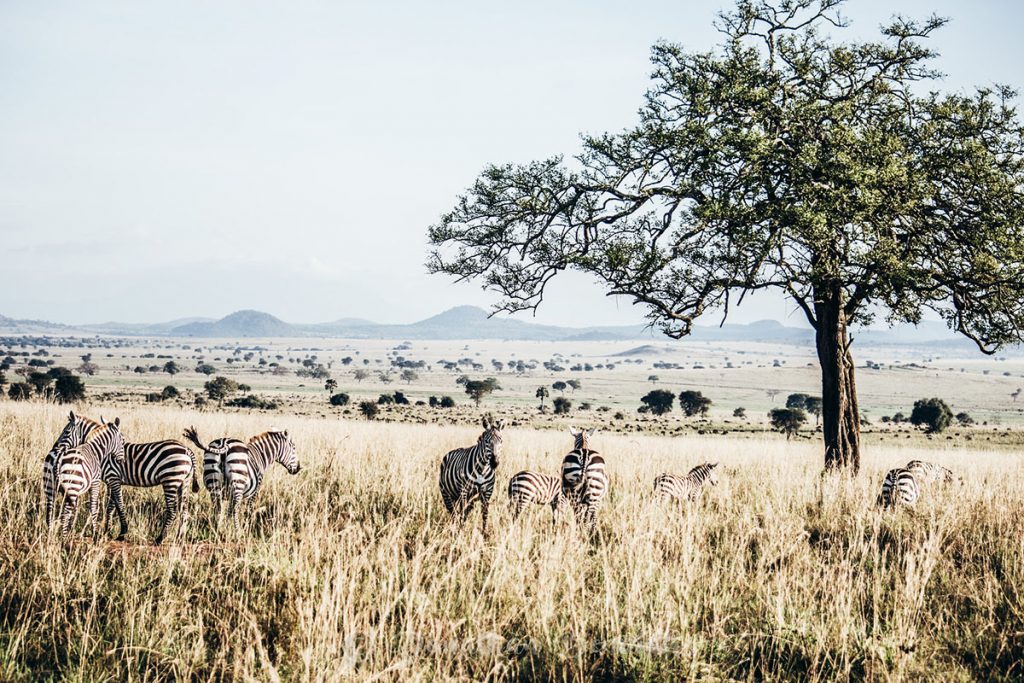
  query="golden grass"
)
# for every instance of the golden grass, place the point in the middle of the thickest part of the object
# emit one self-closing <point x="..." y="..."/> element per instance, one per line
<point x="350" y="568"/>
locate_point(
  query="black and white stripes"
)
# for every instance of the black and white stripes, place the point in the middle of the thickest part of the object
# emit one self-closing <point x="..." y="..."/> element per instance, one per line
<point x="167" y="464"/>
<point x="235" y="469"/>
<point x="81" y="469"/>
<point x="688" y="487"/>
<point x="584" y="480"/>
<point x="533" y="487"/>
<point x="73" y="434"/>
<point x="467" y="474"/>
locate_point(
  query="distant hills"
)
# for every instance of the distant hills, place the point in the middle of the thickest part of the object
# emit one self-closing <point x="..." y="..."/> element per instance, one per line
<point x="469" y="322"/>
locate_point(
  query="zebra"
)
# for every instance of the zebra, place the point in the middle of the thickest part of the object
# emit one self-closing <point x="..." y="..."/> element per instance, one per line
<point x="82" y="468"/>
<point x="167" y="464"/>
<point x="468" y="473"/>
<point x="899" y="486"/>
<point x="584" y="481"/>
<point x="929" y="472"/>
<point x="688" y="487"/>
<point x="234" y="469"/>
<point x="534" y="487"/>
<point x="74" y="434"/>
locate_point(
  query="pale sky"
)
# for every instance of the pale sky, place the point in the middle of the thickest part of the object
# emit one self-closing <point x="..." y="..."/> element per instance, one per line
<point x="160" y="160"/>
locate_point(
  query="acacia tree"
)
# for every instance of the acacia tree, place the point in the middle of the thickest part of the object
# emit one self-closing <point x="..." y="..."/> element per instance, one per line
<point x="782" y="159"/>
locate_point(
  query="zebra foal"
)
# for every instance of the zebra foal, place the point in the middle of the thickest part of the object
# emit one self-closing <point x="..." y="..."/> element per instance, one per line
<point x="687" y="487"/>
<point x="533" y="487"/>
<point x="73" y="434"/>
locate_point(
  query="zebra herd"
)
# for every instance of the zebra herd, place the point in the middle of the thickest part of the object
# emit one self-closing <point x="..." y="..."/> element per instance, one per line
<point x="467" y="475"/>
<point x="87" y="454"/>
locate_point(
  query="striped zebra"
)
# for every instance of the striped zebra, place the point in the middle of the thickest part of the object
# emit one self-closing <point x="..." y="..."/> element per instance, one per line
<point x="584" y="480"/>
<point x="929" y="472"/>
<point x="899" y="487"/>
<point x="234" y="469"/>
<point x="81" y="469"/>
<point x="534" y="487"/>
<point x="167" y="464"/>
<point x="688" y="487"/>
<point x="73" y="434"/>
<point x="468" y="473"/>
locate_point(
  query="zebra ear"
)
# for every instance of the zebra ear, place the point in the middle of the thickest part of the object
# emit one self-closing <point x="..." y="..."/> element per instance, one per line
<point x="592" y="431"/>
<point x="71" y="416"/>
<point x="486" y="422"/>
<point x="574" y="431"/>
<point x="499" y="425"/>
<point x="117" y="423"/>
<point x="714" y="464"/>
<point x="103" y="420"/>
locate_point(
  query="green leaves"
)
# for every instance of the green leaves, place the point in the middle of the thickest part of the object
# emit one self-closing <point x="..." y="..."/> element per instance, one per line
<point x="783" y="158"/>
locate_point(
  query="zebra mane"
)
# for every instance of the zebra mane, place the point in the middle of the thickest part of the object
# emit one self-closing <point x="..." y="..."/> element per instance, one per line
<point x="275" y="433"/>
<point x="702" y="470"/>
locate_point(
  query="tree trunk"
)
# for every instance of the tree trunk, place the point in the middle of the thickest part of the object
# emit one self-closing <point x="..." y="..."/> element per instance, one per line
<point x="840" y="414"/>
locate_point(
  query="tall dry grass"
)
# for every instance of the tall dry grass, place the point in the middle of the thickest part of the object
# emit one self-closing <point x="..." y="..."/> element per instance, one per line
<point x="350" y="569"/>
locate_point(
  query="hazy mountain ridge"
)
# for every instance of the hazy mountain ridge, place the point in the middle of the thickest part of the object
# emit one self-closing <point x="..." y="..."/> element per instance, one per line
<point x="470" y="322"/>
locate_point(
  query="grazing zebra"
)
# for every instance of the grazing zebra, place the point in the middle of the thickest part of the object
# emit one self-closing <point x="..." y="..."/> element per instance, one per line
<point x="929" y="472"/>
<point x="690" y="486"/>
<point x="584" y="481"/>
<point x="468" y="473"/>
<point x="167" y="464"/>
<point x="82" y="468"/>
<point x="74" y="434"/>
<point x="234" y="468"/>
<point x="534" y="487"/>
<point x="899" y="486"/>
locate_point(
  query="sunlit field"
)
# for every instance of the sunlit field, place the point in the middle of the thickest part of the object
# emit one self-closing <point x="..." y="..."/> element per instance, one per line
<point x="351" y="568"/>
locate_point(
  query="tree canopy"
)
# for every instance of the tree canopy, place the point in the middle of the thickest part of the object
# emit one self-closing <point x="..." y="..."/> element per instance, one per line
<point x="781" y="159"/>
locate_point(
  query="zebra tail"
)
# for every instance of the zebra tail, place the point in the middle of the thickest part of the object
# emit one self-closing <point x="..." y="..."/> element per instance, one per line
<point x="192" y="435"/>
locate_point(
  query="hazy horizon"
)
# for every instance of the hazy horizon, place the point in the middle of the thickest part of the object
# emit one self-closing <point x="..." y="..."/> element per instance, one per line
<point x="160" y="162"/>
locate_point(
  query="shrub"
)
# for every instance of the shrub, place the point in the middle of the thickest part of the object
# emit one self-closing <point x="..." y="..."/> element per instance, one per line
<point x="339" y="399"/>
<point x="253" y="401"/>
<point x="694" y="403"/>
<point x="787" y="420"/>
<point x="447" y="402"/>
<point x="369" y="409"/>
<point x="20" y="391"/>
<point x="658" y="401"/>
<point x="931" y="413"/>
<point x="169" y="392"/>
<point x="562" y="405"/>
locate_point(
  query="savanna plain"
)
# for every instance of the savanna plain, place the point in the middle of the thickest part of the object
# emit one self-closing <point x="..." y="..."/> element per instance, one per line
<point x="351" y="568"/>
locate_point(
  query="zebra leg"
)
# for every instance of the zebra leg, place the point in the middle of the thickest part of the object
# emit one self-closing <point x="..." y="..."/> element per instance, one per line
<point x="48" y="494"/>
<point x="170" y="511"/>
<point x="106" y="514"/>
<point x="183" y="507"/>
<point x="517" y="507"/>
<point x="236" y="500"/>
<point x="484" y="505"/>
<point x="94" y="510"/>
<point x="67" y="515"/>
<point x="118" y="499"/>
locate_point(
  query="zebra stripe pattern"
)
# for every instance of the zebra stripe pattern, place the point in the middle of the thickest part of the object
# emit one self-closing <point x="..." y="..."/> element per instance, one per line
<point x="167" y="464"/>
<point x="899" y="487"/>
<point x="584" y="480"/>
<point x="929" y="472"/>
<point x="74" y="434"/>
<point x="534" y="487"/>
<point x="82" y="468"/>
<point x="235" y="469"/>
<point x="467" y="474"/>
<point x="688" y="487"/>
